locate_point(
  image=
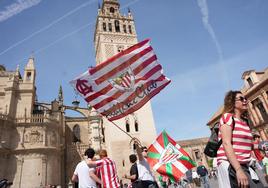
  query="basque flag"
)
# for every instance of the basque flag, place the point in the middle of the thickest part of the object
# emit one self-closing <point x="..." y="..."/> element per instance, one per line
<point x="167" y="158"/>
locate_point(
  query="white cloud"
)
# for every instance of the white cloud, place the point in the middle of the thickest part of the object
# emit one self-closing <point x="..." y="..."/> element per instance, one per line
<point x="16" y="8"/>
<point x="205" y="18"/>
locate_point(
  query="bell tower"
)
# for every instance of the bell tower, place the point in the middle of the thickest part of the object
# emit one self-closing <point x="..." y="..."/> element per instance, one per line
<point x="115" y="32"/>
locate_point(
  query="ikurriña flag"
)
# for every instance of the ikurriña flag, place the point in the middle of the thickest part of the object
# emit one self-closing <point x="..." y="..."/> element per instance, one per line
<point x="124" y="83"/>
<point x="167" y="158"/>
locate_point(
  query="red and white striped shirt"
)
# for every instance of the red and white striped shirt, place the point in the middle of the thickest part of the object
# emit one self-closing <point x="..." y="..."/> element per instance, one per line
<point x="107" y="169"/>
<point x="241" y="140"/>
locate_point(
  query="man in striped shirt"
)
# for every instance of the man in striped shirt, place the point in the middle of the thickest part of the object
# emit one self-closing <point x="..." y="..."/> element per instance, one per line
<point x="107" y="169"/>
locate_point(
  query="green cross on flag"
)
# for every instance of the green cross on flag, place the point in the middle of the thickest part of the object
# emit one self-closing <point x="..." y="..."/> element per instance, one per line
<point x="167" y="158"/>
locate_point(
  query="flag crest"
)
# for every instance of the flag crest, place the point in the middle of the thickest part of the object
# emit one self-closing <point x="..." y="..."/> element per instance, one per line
<point x="167" y="158"/>
<point x="124" y="81"/>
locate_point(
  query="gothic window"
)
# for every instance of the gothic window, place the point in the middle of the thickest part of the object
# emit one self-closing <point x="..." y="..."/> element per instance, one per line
<point x="250" y="83"/>
<point x="134" y="147"/>
<point x="76" y="133"/>
<point x="127" y="127"/>
<point x="104" y="26"/>
<point x="130" y="29"/>
<point x="117" y="26"/>
<point x="110" y="27"/>
<point x="112" y="10"/>
<point x="136" y="126"/>
<point x="28" y="76"/>
<point x="102" y="132"/>
<point x="125" y="28"/>
<point x="123" y="163"/>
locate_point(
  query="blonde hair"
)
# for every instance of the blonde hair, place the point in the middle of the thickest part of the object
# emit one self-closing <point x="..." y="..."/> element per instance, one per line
<point x="103" y="153"/>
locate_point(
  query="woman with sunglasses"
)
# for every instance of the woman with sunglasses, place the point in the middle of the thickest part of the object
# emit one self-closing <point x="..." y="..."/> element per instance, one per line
<point x="234" y="155"/>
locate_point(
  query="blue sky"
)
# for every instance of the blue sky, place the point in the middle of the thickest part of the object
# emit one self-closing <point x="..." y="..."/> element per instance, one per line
<point x="203" y="46"/>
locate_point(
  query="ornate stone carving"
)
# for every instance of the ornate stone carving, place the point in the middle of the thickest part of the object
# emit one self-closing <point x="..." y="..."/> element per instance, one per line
<point x="119" y="38"/>
<point x="109" y="50"/>
<point x="33" y="137"/>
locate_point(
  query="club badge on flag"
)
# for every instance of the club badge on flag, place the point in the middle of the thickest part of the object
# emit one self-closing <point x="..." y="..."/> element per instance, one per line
<point x="124" y="83"/>
<point x="167" y="158"/>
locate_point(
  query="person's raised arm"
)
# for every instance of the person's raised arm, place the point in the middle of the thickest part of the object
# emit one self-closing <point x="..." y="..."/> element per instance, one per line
<point x="139" y="151"/>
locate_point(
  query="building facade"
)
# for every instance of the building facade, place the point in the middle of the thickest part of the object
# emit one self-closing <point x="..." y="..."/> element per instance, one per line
<point x="255" y="90"/>
<point x="195" y="149"/>
<point x="30" y="140"/>
<point x="39" y="144"/>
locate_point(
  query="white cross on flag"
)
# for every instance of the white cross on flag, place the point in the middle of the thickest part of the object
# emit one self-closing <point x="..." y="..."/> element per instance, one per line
<point x="124" y="83"/>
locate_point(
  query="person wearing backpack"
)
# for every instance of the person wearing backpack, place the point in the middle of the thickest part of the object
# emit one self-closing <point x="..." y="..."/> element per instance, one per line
<point x="234" y="154"/>
<point x="203" y="174"/>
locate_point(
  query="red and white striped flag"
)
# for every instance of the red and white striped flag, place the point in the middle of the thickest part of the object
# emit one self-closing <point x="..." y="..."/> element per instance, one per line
<point x="124" y="83"/>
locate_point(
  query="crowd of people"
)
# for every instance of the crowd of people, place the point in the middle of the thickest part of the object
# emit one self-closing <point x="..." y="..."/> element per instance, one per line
<point x="90" y="173"/>
<point x="242" y="158"/>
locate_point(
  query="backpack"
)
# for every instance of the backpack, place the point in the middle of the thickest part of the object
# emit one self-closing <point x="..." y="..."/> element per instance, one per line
<point x="202" y="171"/>
<point x="213" y="143"/>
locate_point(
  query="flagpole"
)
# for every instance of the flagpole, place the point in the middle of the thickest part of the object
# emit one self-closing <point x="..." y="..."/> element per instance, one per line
<point x="122" y="129"/>
<point x="132" y="138"/>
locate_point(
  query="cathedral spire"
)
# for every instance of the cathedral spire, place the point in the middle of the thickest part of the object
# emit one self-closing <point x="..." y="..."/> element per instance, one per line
<point x="29" y="71"/>
<point x="110" y="1"/>
<point x="30" y="64"/>
<point x="110" y="6"/>
<point x="60" y="95"/>
<point x="17" y="70"/>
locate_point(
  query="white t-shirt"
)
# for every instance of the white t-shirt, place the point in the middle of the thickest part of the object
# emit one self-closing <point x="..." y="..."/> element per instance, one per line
<point x="144" y="171"/>
<point x="195" y="175"/>
<point x="82" y="171"/>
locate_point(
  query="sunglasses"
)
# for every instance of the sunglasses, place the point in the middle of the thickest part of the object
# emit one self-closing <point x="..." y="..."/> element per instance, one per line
<point x="241" y="99"/>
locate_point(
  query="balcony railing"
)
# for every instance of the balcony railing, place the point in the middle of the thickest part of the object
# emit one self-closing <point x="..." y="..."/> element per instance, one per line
<point x="36" y="118"/>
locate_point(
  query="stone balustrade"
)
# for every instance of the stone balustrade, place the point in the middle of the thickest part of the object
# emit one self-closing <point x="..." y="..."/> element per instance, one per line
<point x="36" y="118"/>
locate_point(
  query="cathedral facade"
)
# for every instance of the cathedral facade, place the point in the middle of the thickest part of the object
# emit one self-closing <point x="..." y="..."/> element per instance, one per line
<point x="39" y="144"/>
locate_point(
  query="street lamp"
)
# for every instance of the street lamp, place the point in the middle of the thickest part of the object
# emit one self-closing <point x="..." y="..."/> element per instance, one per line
<point x="76" y="103"/>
